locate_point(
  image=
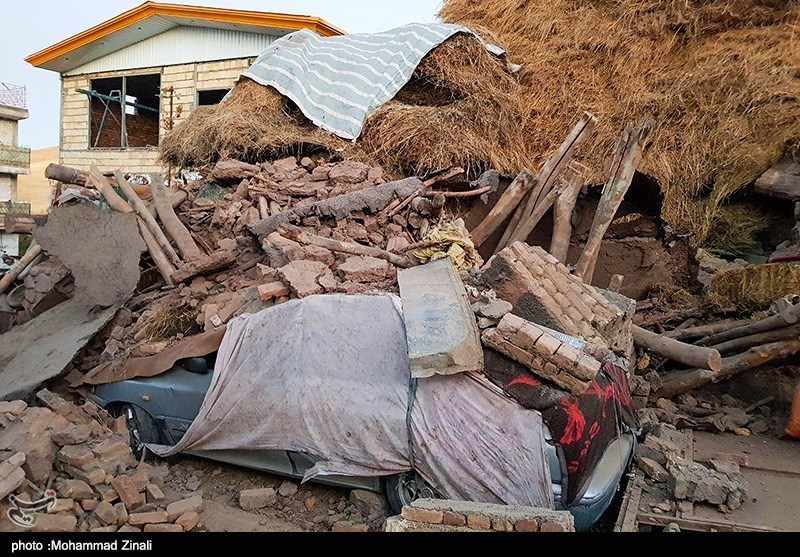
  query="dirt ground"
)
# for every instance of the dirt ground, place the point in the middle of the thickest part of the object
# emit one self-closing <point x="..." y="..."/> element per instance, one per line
<point x="314" y="507"/>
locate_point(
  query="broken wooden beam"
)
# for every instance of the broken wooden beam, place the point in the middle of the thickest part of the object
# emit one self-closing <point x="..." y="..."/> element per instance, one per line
<point x="708" y="329"/>
<point x="574" y="177"/>
<point x="162" y="263"/>
<point x="785" y="318"/>
<point x="509" y="201"/>
<point x="113" y="199"/>
<point x="220" y="259"/>
<point x="679" y="382"/>
<point x="32" y="253"/>
<point x="627" y="156"/>
<point x="147" y="217"/>
<point x="66" y="175"/>
<point x="696" y="356"/>
<point x="550" y="172"/>
<point x="743" y="343"/>
<point x="172" y="224"/>
<point x="297" y="234"/>
<point x="451" y="173"/>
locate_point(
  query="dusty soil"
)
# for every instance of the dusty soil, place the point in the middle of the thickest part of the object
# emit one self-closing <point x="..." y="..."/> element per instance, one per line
<point x="314" y="507"/>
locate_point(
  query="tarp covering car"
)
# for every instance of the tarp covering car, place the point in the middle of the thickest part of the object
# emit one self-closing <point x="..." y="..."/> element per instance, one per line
<point x="329" y="376"/>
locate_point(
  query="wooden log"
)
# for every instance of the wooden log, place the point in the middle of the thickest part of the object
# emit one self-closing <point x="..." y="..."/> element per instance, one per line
<point x="701" y="331"/>
<point x="159" y="257"/>
<point x="575" y="177"/>
<point x="550" y="172"/>
<point x="627" y="156"/>
<point x="173" y="226"/>
<point x="11" y="275"/>
<point x="678" y="351"/>
<point x="149" y="219"/>
<point x="679" y="382"/>
<point x="296" y="234"/>
<point x="785" y="318"/>
<point x="510" y="199"/>
<point x="467" y="193"/>
<point x="66" y="174"/>
<point x="263" y="207"/>
<point x="736" y="345"/>
<point x="112" y="198"/>
<point x="542" y="206"/>
<point x="452" y="173"/>
<point x="514" y="222"/>
<point x="220" y="259"/>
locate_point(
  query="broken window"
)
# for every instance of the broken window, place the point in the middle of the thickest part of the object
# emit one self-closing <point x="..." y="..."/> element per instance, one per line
<point x="211" y="96"/>
<point x="125" y="111"/>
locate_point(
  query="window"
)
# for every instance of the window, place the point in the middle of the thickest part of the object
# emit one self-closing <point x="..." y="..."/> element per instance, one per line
<point x="211" y="96"/>
<point x="134" y="126"/>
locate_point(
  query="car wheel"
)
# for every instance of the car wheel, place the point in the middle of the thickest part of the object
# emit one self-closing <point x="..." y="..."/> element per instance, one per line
<point x="142" y="428"/>
<point x="403" y="489"/>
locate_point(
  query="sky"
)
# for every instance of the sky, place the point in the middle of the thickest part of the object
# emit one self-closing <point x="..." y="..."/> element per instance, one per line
<point x="31" y="25"/>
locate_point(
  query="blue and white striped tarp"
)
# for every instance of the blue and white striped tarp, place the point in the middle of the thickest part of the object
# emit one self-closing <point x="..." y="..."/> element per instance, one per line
<point x="337" y="82"/>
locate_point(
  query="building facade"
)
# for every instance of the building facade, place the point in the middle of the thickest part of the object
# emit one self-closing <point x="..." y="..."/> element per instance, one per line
<point x="128" y="81"/>
<point x="14" y="160"/>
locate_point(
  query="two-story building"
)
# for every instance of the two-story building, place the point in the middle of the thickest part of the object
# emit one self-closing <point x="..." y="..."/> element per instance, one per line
<point x="127" y="81"/>
<point x="14" y="160"/>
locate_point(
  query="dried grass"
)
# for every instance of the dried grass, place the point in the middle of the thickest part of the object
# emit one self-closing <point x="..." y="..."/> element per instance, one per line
<point x="754" y="287"/>
<point x="461" y="107"/>
<point x="170" y="319"/>
<point x="720" y="77"/>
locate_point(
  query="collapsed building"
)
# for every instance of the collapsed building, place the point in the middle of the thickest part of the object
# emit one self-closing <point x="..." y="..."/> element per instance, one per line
<point x="581" y="304"/>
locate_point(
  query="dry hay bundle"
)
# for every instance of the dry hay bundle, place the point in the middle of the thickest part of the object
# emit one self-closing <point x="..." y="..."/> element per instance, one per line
<point x="720" y="77"/>
<point x="754" y="287"/>
<point x="461" y="107"/>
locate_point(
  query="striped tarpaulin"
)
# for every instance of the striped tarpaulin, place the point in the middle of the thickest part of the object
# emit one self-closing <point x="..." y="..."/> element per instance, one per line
<point x="337" y="82"/>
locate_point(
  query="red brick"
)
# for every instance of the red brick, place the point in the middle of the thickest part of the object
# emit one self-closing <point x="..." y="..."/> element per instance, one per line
<point x="176" y="509"/>
<point x="527" y="525"/>
<point x="76" y="455"/>
<point x="163" y="528"/>
<point x="127" y="492"/>
<point x="188" y="520"/>
<point x="554" y="527"/>
<point x="272" y="290"/>
<point x="422" y="515"/>
<point x="453" y="519"/>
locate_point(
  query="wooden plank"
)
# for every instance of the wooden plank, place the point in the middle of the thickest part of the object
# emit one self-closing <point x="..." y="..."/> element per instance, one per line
<point x="510" y="199"/>
<point x="701" y="525"/>
<point x="626" y="520"/>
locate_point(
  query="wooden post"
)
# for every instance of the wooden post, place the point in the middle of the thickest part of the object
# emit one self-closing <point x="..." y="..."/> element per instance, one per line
<point x="679" y="382"/>
<point x="785" y="318"/>
<point x="510" y="199"/>
<point x="11" y="275"/>
<point x="149" y="220"/>
<point x="263" y="207"/>
<point x="551" y="170"/>
<point x="172" y="224"/>
<point x="159" y="258"/>
<point x="575" y="177"/>
<point x="701" y="331"/>
<point x="743" y="343"/>
<point x="678" y="351"/>
<point x="627" y="156"/>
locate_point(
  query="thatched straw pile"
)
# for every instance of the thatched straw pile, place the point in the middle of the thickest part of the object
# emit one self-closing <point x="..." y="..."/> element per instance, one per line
<point x="460" y="108"/>
<point x="720" y="77"/>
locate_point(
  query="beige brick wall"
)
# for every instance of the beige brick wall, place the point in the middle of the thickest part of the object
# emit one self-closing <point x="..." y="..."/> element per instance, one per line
<point x="186" y="79"/>
<point x="8" y="132"/>
<point x="5" y="187"/>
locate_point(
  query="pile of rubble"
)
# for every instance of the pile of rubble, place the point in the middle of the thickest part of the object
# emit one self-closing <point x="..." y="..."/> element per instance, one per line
<point x="91" y="480"/>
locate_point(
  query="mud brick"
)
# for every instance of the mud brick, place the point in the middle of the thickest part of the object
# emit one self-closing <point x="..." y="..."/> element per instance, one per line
<point x="93" y="476"/>
<point x="502" y="525"/>
<point x="653" y="469"/>
<point x="75" y="489"/>
<point x="163" y="528"/>
<point x="112" y="449"/>
<point x="79" y="456"/>
<point x="72" y="435"/>
<point x="152" y="517"/>
<point x="61" y="505"/>
<point x="122" y="513"/>
<point x="128" y="492"/>
<point x="422" y="515"/>
<point x="478" y="522"/>
<point x="61" y="522"/>
<point x="153" y="493"/>
<point x="194" y="503"/>
<point x="128" y="529"/>
<point x="547" y="344"/>
<point x="107" y="493"/>
<point x="251" y="499"/>
<point x="89" y="505"/>
<point x="14" y="407"/>
<point x="112" y="528"/>
<point x="272" y="290"/>
<point x="106" y="513"/>
<point x="188" y="520"/>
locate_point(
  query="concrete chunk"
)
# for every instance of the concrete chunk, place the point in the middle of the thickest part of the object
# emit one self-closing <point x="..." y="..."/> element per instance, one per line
<point x="441" y="330"/>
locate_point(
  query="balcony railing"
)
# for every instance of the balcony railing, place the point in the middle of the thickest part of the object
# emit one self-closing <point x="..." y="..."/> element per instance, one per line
<point x="19" y="157"/>
<point x="13" y="95"/>
<point x="9" y="208"/>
